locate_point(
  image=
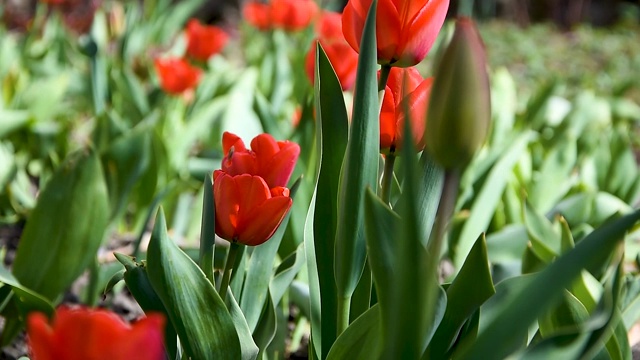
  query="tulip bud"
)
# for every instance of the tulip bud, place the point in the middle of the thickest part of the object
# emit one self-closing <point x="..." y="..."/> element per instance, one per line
<point x="459" y="110"/>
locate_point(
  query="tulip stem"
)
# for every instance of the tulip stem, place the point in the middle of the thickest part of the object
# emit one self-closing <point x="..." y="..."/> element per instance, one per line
<point x="387" y="176"/>
<point x="384" y="75"/>
<point x="445" y="209"/>
<point x="228" y="267"/>
<point x="344" y="308"/>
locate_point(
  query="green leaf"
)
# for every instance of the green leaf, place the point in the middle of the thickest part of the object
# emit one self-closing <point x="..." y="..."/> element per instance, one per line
<point x="248" y="347"/>
<point x="360" y="167"/>
<point x="200" y="317"/>
<point x="27" y="299"/>
<point x="126" y="160"/>
<point x="332" y="131"/>
<point x="12" y="120"/>
<point x="137" y="281"/>
<point x="361" y="340"/>
<point x="259" y="271"/>
<point x="487" y="199"/>
<point x="545" y="241"/>
<point x="470" y="289"/>
<point x="66" y="227"/>
<point x="553" y="180"/>
<point x="207" y="230"/>
<point x="501" y="334"/>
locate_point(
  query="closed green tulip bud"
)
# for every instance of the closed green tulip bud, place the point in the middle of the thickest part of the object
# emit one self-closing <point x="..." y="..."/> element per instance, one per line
<point x="459" y="110"/>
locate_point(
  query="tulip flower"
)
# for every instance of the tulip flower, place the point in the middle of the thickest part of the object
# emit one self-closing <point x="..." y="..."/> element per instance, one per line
<point x="176" y="75"/>
<point x="272" y="160"/>
<point x="290" y="15"/>
<point x="204" y="41"/>
<point x="247" y="210"/>
<point x="405" y="29"/>
<point x="460" y="110"/>
<point x="342" y="57"/>
<point x="405" y="89"/>
<point x="81" y="334"/>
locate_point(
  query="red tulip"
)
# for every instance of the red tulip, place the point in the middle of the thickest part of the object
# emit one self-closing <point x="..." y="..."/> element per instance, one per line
<point x="272" y="160"/>
<point x="290" y="15"/>
<point x="82" y="334"/>
<point x="405" y="29"/>
<point x="204" y="41"/>
<point x="247" y="211"/>
<point x="176" y="75"/>
<point x="405" y="89"/>
<point x="342" y="57"/>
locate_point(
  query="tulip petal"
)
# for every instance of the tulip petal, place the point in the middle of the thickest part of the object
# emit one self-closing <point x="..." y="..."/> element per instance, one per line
<point x="388" y="32"/>
<point x="264" y="220"/>
<point x="226" y="195"/>
<point x="41" y="339"/>
<point x="230" y="140"/>
<point x="423" y="31"/>
<point x="145" y="334"/>
<point x="353" y="23"/>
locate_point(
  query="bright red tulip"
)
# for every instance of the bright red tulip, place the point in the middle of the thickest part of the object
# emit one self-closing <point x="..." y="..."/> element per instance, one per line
<point x="83" y="334"/>
<point x="290" y="15"/>
<point x="405" y="29"/>
<point x="272" y="160"/>
<point x="176" y="75"/>
<point x="247" y="210"/>
<point x="405" y="89"/>
<point x="204" y="41"/>
<point x="342" y="57"/>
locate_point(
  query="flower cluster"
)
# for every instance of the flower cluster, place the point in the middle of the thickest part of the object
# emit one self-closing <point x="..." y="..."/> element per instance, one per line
<point x="289" y="15"/>
<point x="405" y="32"/>
<point x="250" y="193"/>
<point x="177" y="75"/>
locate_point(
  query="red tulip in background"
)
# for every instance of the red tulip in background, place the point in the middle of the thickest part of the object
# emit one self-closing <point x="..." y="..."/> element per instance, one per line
<point x="403" y="84"/>
<point x="405" y="29"/>
<point x="247" y="210"/>
<point x="290" y="15"/>
<point x="83" y="334"/>
<point x="176" y="75"/>
<point x="343" y="58"/>
<point x="272" y="160"/>
<point x="204" y="41"/>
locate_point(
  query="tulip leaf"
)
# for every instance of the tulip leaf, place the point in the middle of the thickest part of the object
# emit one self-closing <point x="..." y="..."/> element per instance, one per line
<point x="26" y="299"/>
<point x="470" y="289"/>
<point x="259" y="271"/>
<point x="361" y="340"/>
<point x="248" y="347"/>
<point x="487" y="199"/>
<point x="360" y="166"/>
<point x="207" y="230"/>
<point x="65" y="229"/>
<point x="196" y="311"/>
<point x="126" y="160"/>
<point x="12" y="120"/>
<point x="552" y="182"/>
<point x="545" y="241"/>
<point x="137" y="281"/>
<point x="501" y="334"/>
<point x="332" y="132"/>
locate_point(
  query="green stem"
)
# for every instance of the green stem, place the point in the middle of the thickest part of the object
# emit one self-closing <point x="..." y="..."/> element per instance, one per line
<point x="92" y="288"/>
<point x="344" y="308"/>
<point x="445" y="210"/>
<point x="384" y="76"/>
<point x="228" y="267"/>
<point x="387" y="176"/>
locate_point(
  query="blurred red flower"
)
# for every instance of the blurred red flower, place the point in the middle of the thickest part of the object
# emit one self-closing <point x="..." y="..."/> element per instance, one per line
<point x="204" y="41"/>
<point x="342" y="57"/>
<point x="405" y="29"/>
<point x="405" y="89"/>
<point x="246" y="209"/>
<point x="81" y="334"/>
<point x="272" y="160"/>
<point x="177" y="75"/>
<point x="290" y="15"/>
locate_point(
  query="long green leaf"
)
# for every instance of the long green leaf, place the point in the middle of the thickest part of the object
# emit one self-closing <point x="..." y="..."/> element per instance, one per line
<point x="66" y="227"/>
<point x="196" y="311"/>
<point x="500" y="335"/>
<point x="360" y="167"/>
<point x="361" y="340"/>
<point x="332" y="132"/>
